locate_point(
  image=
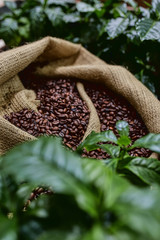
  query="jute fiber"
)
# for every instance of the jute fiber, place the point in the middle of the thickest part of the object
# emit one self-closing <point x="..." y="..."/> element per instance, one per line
<point x="59" y="58"/>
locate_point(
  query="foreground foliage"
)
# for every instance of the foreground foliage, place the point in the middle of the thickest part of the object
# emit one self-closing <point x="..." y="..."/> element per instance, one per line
<point x="114" y="32"/>
<point x="91" y="200"/>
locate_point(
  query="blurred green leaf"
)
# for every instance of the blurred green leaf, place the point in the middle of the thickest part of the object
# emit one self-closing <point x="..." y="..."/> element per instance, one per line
<point x="71" y="18"/>
<point x="60" y="2"/>
<point x="90" y="143"/>
<point x="139" y="211"/>
<point x="112" y="150"/>
<point x="10" y="23"/>
<point x="117" y="26"/>
<point x="123" y="128"/>
<point x="148" y="29"/>
<point x="11" y="5"/>
<point x="156" y="7"/>
<point x="85" y="190"/>
<point x="120" y="10"/>
<point x="150" y="141"/>
<point x="55" y="166"/>
<point x="8" y="228"/>
<point x="147" y="169"/>
<point x="131" y="3"/>
<point x="61" y="235"/>
<point x="145" y="12"/>
<point x="124" y="141"/>
<point x="84" y="7"/>
<point x="55" y="15"/>
<point x="95" y="233"/>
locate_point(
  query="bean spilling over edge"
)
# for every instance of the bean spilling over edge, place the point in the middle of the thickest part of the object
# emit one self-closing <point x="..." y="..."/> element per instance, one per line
<point x="63" y="113"/>
<point x="112" y="107"/>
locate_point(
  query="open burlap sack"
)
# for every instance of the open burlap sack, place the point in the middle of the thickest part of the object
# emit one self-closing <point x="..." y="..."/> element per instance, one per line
<point x="55" y="57"/>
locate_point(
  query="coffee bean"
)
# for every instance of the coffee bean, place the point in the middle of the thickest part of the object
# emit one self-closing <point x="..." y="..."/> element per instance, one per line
<point x="63" y="113"/>
<point x="55" y="115"/>
<point x="112" y="107"/>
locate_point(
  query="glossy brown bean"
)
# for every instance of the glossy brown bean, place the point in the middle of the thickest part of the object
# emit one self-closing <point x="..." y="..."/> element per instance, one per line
<point x="59" y="112"/>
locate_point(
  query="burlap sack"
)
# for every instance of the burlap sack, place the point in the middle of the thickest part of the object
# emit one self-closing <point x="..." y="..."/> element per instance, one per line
<point x="62" y="58"/>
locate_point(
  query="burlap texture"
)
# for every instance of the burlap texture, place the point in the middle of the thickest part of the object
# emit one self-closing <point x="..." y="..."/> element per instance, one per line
<point x="62" y="58"/>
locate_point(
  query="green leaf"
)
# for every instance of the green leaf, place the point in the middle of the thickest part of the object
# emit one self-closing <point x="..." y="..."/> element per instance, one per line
<point x="55" y="15"/>
<point x="150" y="141"/>
<point x="60" y="2"/>
<point x="120" y="10"/>
<point x="61" y="235"/>
<point x="147" y="169"/>
<point x="11" y="23"/>
<point x="124" y="141"/>
<point x="37" y="22"/>
<point x="112" y="150"/>
<point x="24" y="31"/>
<point x="116" y="27"/>
<point x="84" y="7"/>
<point x="156" y="7"/>
<point x="144" y="12"/>
<point x="131" y="3"/>
<point x="146" y="80"/>
<point x="8" y="228"/>
<point x="105" y="180"/>
<point x="138" y="210"/>
<point x="108" y="3"/>
<point x="90" y="143"/>
<point x="9" y="31"/>
<point x="97" y="232"/>
<point x="11" y="5"/>
<point x="55" y="166"/>
<point x="71" y="18"/>
<point x="148" y="29"/>
<point x="123" y="128"/>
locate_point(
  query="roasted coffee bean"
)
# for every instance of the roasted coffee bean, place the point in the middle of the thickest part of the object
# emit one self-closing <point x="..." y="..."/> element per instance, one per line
<point x="63" y="113"/>
<point x="58" y="114"/>
<point x="112" y="107"/>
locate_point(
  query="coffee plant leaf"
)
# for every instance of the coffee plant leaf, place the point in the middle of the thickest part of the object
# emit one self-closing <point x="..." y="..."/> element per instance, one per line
<point x="55" y="15"/>
<point x="120" y="10"/>
<point x="114" y="199"/>
<point x="131" y="3"/>
<point x="60" y="2"/>
<point x="61" y="235"/>
<point x="123" y="128"/>
<point x="84" y="7"/>
<point x="148" y="29"/>
<point x="124" y="141"/>
<point x="71" y="18"/>
<point x="112" y="150"/>
<point x="156" y="7"/>
<point x="47" y="162"/>
<point x="11" y="5"/>
<point x="145" y="12"/>
<point x="91" y="141"/>
<point x="150" y="141"/>
<point x="47" y="151"/>
<point x="8" y="227"/>
<point x="137" y="209"/>
<point x="147" y="169"/>
<point x="117" y="26"/>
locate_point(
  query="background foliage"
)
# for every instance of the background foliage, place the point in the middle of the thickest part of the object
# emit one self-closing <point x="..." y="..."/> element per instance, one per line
<point x="118" y="31"/>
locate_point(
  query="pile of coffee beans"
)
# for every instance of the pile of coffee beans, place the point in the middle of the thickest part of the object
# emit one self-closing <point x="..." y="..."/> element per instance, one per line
<point x="37" y="192"/>
<point x="61" y="112"/>
<point x="111" y="108"/>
